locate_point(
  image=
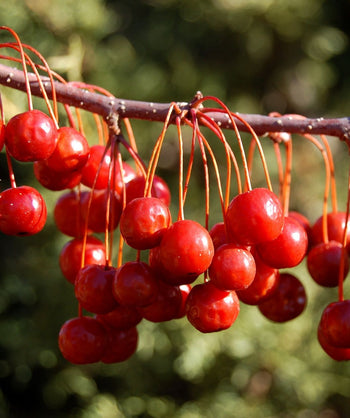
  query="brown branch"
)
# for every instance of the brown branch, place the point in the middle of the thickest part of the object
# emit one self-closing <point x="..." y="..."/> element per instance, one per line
<point x="107" y="106"/>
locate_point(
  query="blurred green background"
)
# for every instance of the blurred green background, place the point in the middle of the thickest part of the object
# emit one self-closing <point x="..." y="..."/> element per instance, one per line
<point x="256" y="55"/>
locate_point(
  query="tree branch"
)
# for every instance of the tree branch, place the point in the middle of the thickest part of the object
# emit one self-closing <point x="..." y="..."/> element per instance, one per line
<point x="157" y="112"/>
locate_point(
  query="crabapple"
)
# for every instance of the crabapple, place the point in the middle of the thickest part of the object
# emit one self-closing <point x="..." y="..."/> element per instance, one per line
<point x="22" y="211"/>
<point x="31" y="136"/>
<point x="254" y="216"/>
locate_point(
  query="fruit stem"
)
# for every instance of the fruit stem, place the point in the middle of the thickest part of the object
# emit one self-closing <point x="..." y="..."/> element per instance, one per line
<point x="10" y="170"/>
<point x="181" y="215"/>
<point x="314" y="141"/>
<point x="230" y="157"/>
<point x="332" y="173"/>
<point x="156" y="151"/>
<point x="24" y="66"/>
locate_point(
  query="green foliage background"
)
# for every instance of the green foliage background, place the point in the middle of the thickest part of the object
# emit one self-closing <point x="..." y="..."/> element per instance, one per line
<point x="256" y="55"/>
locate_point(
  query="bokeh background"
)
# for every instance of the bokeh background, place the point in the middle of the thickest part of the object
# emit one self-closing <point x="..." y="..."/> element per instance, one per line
<point x="256" y="55"/>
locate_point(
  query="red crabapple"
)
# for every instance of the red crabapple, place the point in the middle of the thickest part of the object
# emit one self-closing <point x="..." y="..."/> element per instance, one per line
<point x="288" y="249"/>
<point x="70" y="259"/>
<point x="22" y="211"/>
<point x="335" y="324"/>
<point x="31" y="136"/>
<point x="210" y="309"/>
<point x="232" y="268"/>
<point x="254" y="216"/>
<point x="287" y="301"/>
<point x="186" y="249"/>
<point x="71" y="152"/>
<point x="82" y="340"/>
<point x="93" y="288"/>
<point x="144" y="221"/>
<point x="135" y="284"/>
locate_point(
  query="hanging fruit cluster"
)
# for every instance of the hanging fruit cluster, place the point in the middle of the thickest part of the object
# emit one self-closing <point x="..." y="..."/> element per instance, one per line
<point x="192" y="270"/>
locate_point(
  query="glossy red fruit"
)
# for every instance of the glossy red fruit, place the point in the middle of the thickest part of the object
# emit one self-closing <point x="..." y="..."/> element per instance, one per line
<point x="186" y="249"/>
<point x="288" y="249"/>
<point x="335" y="324"/>
<point x="210" y="309"/>
<point x="2" y="134"/>
<point x="165" y="275"/>
<point x="144" y="221"/>
<point x="31" y="136"/>
<point x="166" y="306"/>
<point x="22" y="211"/>
<point x="136" y="188"/>
<point x="303" y="220"/>
<point x="335" y="228"/>
<point x="232" y="268"/>
<point x="96" y="213"/>
<point x="122" y="317"/>
<point x="82" y="340"/>
<point x="135" y="284"/>
<point x="323" y="263"/>
<point x="254" y="216"/>
<point x="121" y="345"/>
<point x="336" y="353"/>
<point x="262" y="287"/>
<point x="218" y="234"/>
<point x="128" y="174"/>
<point x="185" y="291"/>
<point x="70" y="259"/>
<point x="68" y="214"/>
<point x="71" y="152"/>
<point x="51" y="180"/>
<point x="287" y="302"/>
<point x="93" y="288"/>
<point x="97" y="166"/>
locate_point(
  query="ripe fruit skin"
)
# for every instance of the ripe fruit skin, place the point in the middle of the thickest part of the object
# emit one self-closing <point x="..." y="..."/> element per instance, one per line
<point x="288" y="249"/>
<point x="262" y="287"/>
<point x="166" y="306"/>
<point x="336" y="353"/>
<point x="122" y="317"/>
<point x="218" y="234"/>
<point x="323" y="263"/>
<point x="121" y="344"/>
<point x="51" y="180"/>
<point x="186" y="249"/>
<point x="210" y="309"/>
<point x="31" y="136"/>
<point x="165" y="275"/>
<point x="68" y="214"/>
<point x="96" y="213"/>
<point x="2" y="134"/>
<point x="93" y="288"/>
<point x="185" y="291"/>
<point x="71" y="256"/>
<point x="71" y="152"/>
<point x="254" y="216"/>
<point x="232" y="268"/>
<point x="82" y="340"/>
<point x="22" y="211"/>
<point x="136" y="188"/>
<point x="287" y="302"/>
<point x="335" y="228"/>
<point x="135" y="284"/>
<point x="144" y="221"/>
<point x="335" y="324"/>
<point x="97" y="163"/>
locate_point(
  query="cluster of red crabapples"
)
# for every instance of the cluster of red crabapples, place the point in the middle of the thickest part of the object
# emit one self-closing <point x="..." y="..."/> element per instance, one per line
<point x="241" y="257"/>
